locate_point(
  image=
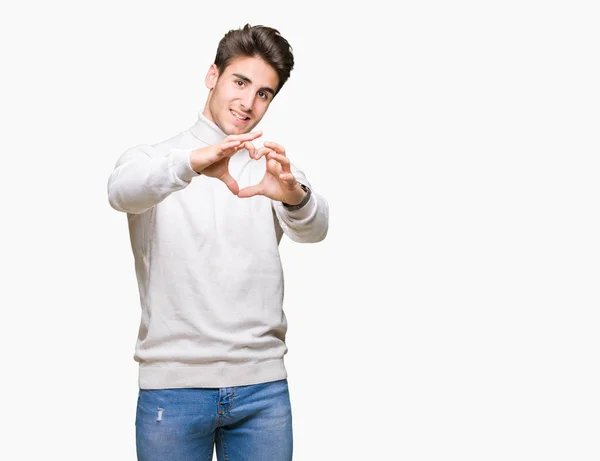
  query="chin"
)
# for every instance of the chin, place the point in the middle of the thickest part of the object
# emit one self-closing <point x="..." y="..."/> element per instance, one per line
<point x="233" y="129"/>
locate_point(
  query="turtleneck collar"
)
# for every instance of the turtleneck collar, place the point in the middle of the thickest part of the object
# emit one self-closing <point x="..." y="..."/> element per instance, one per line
<point x="207" y="131"/>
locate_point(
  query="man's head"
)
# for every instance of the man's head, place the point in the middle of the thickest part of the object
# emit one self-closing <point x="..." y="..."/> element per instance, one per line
<point x="251" y="66"/>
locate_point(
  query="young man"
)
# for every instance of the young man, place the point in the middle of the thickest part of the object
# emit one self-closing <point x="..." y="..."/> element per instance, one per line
<point x="206" y="212"/>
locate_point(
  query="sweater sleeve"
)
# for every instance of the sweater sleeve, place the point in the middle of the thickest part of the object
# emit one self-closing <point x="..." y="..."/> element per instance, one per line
<point x="310" y="223"/>
<point x="143" y="177"/>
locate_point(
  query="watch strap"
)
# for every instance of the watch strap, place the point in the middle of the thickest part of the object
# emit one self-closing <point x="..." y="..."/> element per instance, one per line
<point x="302" y="203"/>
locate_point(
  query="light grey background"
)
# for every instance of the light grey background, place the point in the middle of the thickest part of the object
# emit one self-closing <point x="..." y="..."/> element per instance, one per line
<point x="452" y="312"/>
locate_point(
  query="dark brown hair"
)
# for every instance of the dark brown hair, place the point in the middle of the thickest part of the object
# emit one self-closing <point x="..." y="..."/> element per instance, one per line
<point x="260" y="41"/>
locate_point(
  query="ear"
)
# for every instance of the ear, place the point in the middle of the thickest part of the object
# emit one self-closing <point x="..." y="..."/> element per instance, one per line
<point x="211" y="76"/>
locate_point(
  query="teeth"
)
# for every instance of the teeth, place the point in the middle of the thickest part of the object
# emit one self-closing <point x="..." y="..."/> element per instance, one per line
<point x="238" y="115"/>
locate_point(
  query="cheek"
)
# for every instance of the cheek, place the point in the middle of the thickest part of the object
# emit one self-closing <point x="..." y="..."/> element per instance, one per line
<point x="263" y="106"/>
<point x="224" y="94"/>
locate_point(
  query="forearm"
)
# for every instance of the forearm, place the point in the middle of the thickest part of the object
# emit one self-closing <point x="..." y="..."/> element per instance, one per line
<point x="140" y="181"/>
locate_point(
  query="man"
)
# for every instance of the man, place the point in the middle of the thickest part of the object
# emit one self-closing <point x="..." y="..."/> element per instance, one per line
<point x="206" y="212"/>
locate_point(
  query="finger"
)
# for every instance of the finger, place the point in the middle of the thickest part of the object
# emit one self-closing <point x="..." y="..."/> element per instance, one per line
<point x="250" y="148"/>
<point x="274" y="167"/>
<point x="231" y="183"/>
<point x="282" y="160"/>
<point x="225" y="146"/>
<point x="261" y="152"/>
<point x="276" y="147"/>
<point x="244" y="137"/>
<point x="250" y="191"/>
<point x="227" y="149"/>
<point x="289" y="179"/>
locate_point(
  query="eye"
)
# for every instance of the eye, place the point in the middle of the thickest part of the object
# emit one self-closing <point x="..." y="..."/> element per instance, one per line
<point x="263" y="95"/>
<point x="239" y="82"/>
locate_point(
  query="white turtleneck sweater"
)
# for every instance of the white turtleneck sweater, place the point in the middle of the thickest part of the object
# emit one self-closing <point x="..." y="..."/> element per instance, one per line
<point x="207" y="262"/>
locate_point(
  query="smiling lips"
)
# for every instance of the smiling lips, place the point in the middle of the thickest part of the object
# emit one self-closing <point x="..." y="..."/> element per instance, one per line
<point x="239" y="117"/>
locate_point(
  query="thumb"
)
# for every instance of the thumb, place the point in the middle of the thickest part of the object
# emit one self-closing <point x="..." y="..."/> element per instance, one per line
<point x="250" y="191"/>
<point x="231" y="183"/>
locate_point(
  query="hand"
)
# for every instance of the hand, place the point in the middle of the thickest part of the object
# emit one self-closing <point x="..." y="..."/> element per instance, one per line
<point x="213" y="160"/>
<point x="279" y="183"/>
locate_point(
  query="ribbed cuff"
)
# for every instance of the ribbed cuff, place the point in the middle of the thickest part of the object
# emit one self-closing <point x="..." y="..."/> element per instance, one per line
<point x="180" y="163"/>
<point x="301" y="213"/>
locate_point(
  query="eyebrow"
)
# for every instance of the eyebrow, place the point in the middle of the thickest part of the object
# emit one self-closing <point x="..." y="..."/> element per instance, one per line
<point x="247" y="80"/>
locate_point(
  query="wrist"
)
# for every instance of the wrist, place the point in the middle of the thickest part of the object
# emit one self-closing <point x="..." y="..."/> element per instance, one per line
<point x="296" y="202"/>
<point x="194" y="164"/>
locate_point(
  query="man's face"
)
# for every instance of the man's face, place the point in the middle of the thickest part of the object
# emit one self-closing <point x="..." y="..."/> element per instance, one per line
<point x="240" y="96"/>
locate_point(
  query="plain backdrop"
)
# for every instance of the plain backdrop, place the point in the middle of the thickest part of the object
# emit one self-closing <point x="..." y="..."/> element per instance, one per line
<point x="452" y="313"/>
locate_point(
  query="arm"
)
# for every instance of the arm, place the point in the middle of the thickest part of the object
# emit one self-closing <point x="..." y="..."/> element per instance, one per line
<point x="143" y="178"/>
<point x="308" y="224"/>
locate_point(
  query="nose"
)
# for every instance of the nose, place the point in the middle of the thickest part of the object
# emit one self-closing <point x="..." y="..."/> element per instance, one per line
<point x="247" y="102"/>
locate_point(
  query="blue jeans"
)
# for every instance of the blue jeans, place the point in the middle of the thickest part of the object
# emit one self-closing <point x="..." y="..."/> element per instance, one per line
<point x="246" y="423"/>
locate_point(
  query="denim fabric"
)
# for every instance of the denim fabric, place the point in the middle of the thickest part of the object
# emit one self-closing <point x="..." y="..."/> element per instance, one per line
<point x="244" y="423"/>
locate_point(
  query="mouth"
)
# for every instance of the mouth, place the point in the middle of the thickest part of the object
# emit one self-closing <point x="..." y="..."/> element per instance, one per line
<point x="239" y="117"/>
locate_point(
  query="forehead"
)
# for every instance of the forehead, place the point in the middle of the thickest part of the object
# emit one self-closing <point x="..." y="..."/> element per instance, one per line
<point x="254" y="68"/>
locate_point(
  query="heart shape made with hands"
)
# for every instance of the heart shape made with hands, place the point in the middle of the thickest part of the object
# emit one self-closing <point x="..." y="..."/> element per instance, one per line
<point x="278" y="183"/>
